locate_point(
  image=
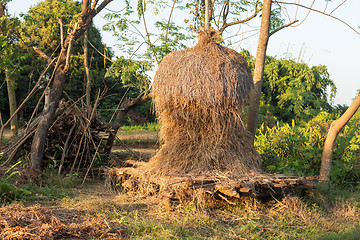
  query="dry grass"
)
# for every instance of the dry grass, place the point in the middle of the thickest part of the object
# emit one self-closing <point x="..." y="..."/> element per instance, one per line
<point x="41" y="222"/>
<point x="97" y="214"/>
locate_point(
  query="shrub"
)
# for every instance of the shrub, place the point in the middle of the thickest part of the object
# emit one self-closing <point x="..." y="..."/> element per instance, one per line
<point x="296" y="149"/>
<point x="9" y="191"/>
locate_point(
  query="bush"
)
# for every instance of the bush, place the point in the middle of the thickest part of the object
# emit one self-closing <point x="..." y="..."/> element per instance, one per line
<point x="296" y="149"/>
<point x="8" y="191"/>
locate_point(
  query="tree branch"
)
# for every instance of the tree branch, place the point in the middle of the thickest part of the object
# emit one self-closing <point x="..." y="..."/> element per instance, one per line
<point x="61" y="33"/>
<point x="239" y="21"/>
<point x="42" y="54"/>
<point x="282" y="27"/>
<point x="94" y="4"/>
<point x="167" y="29"/>
<point x="101" y="6"/>
<point x="318" y="11"/>
<point x="331" y="136"/>
<point x="85" y="7"/>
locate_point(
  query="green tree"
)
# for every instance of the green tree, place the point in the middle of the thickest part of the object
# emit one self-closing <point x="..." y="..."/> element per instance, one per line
<point x="293" y="90"/>
<point x="43" y="30"/>
<point x="88" y="11"/>
<point x="11" y="59"/>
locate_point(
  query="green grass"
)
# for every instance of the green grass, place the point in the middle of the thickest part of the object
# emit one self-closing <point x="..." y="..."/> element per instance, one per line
<point x="51" y="188"/>
<point x="153" y="127"/>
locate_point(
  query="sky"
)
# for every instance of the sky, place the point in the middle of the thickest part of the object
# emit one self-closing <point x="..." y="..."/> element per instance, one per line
<point x="318" y="40"/>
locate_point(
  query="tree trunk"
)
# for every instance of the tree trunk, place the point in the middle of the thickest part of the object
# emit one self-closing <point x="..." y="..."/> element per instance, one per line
<point x="334" y="130"/>
<point x="10" y="82"/>
<point x="38" y="144"/>
<point x="259" y="68"/>
<point x="85" y="19"/>
<point x="87" y="72"/>
<point x="125" y="108"/>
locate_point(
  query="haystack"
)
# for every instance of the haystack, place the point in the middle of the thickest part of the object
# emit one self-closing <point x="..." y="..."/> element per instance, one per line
<point x="198" y="95"/>
<point x="206" y="153"/>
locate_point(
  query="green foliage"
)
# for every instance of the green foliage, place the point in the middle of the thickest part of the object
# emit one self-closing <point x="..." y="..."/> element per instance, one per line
<point x="296" y="149"/>
<point x="275" y="18"/>
<point x="132" y="36"/>
<point x="42" y="26"/>
<point x="130" y="73"/>
<point x="293" y="90"/>
<point x="8" y="190"/>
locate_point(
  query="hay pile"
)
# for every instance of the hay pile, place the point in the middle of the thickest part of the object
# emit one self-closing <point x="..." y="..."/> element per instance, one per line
<point x="198" y="95"/>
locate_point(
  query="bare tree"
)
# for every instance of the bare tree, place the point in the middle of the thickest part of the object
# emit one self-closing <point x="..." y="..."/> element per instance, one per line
<point x="332" y="134"/>
<point x="89" y="11"/>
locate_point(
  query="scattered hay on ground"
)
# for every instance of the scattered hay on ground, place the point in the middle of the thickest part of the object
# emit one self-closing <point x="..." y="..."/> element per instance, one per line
<point x="39" y="222"/>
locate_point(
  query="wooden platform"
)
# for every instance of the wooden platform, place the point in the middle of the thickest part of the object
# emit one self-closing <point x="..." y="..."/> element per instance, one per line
<point x="177" y="187"/>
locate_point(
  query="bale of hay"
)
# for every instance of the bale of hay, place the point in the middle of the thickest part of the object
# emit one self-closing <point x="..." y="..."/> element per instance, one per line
<point x="198" y="95"/>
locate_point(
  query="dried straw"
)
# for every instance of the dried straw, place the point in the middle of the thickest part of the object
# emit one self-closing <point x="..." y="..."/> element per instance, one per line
<point x="198" y="94"/>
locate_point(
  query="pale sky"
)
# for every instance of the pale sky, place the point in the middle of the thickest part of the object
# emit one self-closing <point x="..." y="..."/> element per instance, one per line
<point x="318" y="40"/>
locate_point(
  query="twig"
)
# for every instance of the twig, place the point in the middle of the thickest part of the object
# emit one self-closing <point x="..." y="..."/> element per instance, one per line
<point x="282" y="27"/>
<point x="167" y="29"/>
<point x="148" y="38"/>
<point x="100" y="52"/>
<point x="25" y="100"/>
<point x="63" y="155"/>
<point x="226" y="200"/>
<point x="337" y="6"/>
<point x="225" y="25"/>
<point x="19" y="144"/>
<point x="318" y="11"/>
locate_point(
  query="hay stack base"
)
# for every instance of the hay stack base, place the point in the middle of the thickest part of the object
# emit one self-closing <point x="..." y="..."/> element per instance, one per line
<point x="174" y="189"/>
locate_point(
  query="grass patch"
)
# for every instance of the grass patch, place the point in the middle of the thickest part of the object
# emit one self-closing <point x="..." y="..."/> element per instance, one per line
<point x="51" y="188"/>
<point x="153" y="127"/>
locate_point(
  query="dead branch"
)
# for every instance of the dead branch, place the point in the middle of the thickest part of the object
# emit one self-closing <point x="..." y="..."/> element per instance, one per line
<point x="65" y="149"/>
<point x="125" y="108"/>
